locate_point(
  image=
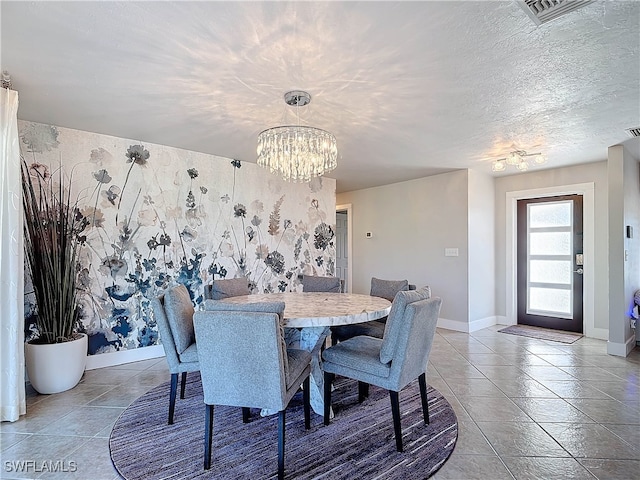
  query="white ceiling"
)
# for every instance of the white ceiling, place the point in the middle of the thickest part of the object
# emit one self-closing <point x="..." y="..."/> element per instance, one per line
<point x="409" y="88"/>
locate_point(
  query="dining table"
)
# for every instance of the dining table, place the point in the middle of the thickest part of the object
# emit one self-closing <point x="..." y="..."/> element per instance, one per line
<point x="308" y="317"/>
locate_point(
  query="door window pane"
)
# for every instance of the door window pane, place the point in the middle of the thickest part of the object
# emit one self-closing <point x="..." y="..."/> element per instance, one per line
<point x="550" y="243"/>
<point x="550" y="300"/>
<point x="550" y="215"/>
<point x="550" y="271"/>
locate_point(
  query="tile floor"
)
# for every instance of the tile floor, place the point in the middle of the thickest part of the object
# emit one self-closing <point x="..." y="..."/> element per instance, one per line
<point x="527" y="409"/>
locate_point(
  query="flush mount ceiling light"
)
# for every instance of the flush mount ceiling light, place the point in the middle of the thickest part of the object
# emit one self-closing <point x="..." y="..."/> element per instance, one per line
<point x="519" y="159"/>
<point x="297" y="153"/>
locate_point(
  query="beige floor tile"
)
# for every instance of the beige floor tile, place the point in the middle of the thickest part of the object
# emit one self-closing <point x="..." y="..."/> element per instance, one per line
<point x="628" y="433"/>
<point x="474" y="387"/>
<point x="586" y="373"/>
<point x="90" y="461"/>
<point x="523" y="387"/>
<point x="574" y="389"/>
<point x="10" y="439"/>
<point x="529" y="468"/>
<point x="540" y="372"/>
<point x="620" y="390"/>
<point x="120" y="396"/>
<point x="28" y="458"/>
<point x="590" y="440"/>
<point x="607" y="411"/>
<point x="565" y="360"/>
<point x="471" y="440"/>
<point x="518" y="439"/>
<point x="83" y="421"/>
<point x="464" y="467"/>
<point x="493" y="409"/>
<point x="38" y="417"/>
<point x="551" y="410"/>
<point x="605" y="469"/>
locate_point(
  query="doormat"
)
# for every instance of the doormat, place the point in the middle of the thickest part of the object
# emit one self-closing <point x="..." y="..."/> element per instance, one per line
<point x="542" y="333"/>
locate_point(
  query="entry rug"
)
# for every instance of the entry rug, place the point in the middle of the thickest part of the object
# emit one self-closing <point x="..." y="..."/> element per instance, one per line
<point x="359" y="443"/>
<point x="542" y="333"/>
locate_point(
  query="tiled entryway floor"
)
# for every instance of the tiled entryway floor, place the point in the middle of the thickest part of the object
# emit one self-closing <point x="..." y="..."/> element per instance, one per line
<point x="527" y="409"/>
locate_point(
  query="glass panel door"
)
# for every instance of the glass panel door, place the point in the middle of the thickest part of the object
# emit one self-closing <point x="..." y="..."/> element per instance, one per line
<point x="550" y="262"/>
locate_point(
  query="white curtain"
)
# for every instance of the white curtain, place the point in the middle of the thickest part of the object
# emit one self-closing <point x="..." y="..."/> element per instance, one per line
<point x="12" y="381"/>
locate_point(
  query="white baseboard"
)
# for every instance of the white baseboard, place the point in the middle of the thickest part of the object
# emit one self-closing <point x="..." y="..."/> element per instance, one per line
<point x="460" y="326"/>
<point x="502" y="320"/>
<point x="621" y="349"/>
<point x="455" y="325"/>
<point x="595" y="332"/>
<point x="481" y="323"/>
<point x="124" y="356"/>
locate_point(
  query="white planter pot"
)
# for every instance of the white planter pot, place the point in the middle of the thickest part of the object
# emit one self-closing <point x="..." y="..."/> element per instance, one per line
<point x="56" y="367"/>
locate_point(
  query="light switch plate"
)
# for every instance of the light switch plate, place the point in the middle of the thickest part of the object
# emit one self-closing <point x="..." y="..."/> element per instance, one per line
<point x="450" y="252"/>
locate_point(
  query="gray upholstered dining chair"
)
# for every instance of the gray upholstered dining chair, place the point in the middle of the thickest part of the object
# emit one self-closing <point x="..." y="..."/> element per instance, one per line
<point x="312" y="283"/>
<point x="375" y="328"/>
<point x="391" y="362"/>
<point x="244" y="362"/>
<point x="227" y="287"/>
<point x="173" y="312"/>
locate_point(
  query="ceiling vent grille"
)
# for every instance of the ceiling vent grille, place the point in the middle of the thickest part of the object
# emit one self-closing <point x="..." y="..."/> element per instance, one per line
<point x="542" y="11"/>
<point x="633" y="132"/>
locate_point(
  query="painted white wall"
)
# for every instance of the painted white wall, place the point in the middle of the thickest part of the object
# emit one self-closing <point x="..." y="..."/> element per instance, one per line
<point x="624" y="204"/>
<point x="481" y="213"/>
<point x="411" y="224"/>
<point x="586" y="173"/>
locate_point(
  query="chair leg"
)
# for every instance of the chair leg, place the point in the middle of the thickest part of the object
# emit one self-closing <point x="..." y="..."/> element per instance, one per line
<point x="281" y="424"/>
<point x="183" y="383"/>
<point x="246" y="413"/>
<point x="422" y="380"/>
<point x="208" y="435"/>
<point x="328" y="379"/>
<point x="363" y="391"/>
<point x="395" y="411"/>
<point x="172" y="396"/>
<point x="306" y="399"/>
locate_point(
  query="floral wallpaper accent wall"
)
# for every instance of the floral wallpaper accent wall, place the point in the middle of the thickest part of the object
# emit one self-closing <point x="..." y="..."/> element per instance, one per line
<point x="157" y="216"/>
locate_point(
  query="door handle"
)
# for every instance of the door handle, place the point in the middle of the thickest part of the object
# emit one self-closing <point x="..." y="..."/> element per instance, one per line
<point x="579" y="271"/>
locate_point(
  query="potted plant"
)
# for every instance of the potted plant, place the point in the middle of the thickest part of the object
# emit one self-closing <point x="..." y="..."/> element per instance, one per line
<point x="56" y="358"/>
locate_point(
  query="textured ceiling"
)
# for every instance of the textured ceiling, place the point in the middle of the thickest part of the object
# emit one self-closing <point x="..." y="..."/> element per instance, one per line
<point x="409" y="88"/>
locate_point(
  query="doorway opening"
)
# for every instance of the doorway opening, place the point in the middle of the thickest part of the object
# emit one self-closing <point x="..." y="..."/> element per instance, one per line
<point x="344" y="261"/>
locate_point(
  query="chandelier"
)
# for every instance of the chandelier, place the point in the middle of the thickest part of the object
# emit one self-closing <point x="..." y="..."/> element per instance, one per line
<point x="519" y="159"/>
<point x="297" y="153"/>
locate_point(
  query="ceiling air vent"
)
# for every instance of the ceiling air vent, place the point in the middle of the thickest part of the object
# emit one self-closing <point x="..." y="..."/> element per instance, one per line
<point x="542" y="11"/>
<point x="633" y="132"/>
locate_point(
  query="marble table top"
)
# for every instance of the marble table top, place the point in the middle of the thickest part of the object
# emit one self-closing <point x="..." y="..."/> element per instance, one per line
<point x="318" y="309"/>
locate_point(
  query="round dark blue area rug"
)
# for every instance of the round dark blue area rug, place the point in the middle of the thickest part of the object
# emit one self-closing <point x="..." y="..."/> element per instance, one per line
<point x="359" y="443"/>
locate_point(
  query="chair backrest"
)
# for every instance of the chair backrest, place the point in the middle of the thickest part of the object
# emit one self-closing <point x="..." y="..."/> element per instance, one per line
<point x="259" y="307"/>
<point x="413" y="340"/>
<point x="311" y="283"/>
<point x="173" y="312"/>
<point x="397" y="313"/>
<point x="387" y="288"/>
<point x="227" y="287"/>
<point x="242" y="358"/>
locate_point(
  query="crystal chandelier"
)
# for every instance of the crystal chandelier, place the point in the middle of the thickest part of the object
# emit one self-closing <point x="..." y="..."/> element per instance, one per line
<point x="519" y="159"/>
<point x="297" y="153"/>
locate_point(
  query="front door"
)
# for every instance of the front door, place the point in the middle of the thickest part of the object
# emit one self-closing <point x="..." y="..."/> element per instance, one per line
<point x="550" y="262"/>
